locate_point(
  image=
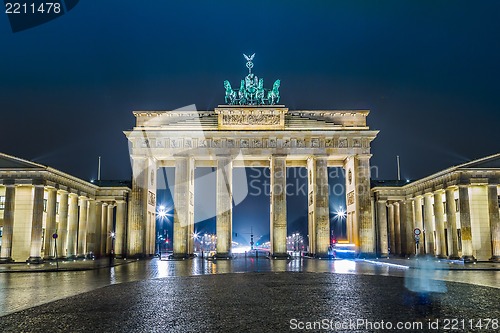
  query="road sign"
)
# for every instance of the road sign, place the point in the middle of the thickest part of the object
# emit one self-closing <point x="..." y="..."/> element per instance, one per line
<point x="416" y="231"/>
<point x="54" y="235"/>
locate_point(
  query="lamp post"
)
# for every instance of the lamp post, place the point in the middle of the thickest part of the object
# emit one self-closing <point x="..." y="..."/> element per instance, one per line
<point x="112" y="252"/>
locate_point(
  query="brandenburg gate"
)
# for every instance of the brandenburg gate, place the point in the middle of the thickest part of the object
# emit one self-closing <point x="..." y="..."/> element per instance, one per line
<point x="250" y="130"/>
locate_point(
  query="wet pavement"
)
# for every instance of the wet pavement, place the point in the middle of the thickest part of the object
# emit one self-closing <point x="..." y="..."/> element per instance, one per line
<point x="264" y="302"/>
<point x="22" y="290"/>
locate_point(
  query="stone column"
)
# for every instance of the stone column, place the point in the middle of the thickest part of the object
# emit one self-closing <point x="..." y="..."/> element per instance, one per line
<point x="224" y="205"/>
<point x="403" y="211"/>
<point x="364" y="211"/>
<point x="311" y="198"/>
<point x="98" y="229"/>
<point x="439" y="222"/>
<point x="62" y="229"/>
<point x="428" y="225"/>
<point x="190" y="215"/>
<point x="382" y="228"/>
<point x="121" y="213"/>
<point x="104" y="229"/>
<point x="410" y="226"/>
<point x="278" y="206"/>
<point x="419" y="223"/>
<point x="392" y="232"/>
<point x="82" y="227"/>
<point x="8" y="223"/>
<point x="451" y="218"/>
<point x="494" y="221"/>
<point x="36" y="226"/>
<point x="397" y="227"/>
<point x="72" y="225"/>
<point x="319" y="208"/>
<point x="465" y="226"/>
<point x="110" y="231"/>
<point x="182" y="208"/>
<point x="138" y="206"/>
<point x="91" y="226"/>
<point x="322" y="207"/>
<point x="152" y="233"/>
<point x="50" y="224"/>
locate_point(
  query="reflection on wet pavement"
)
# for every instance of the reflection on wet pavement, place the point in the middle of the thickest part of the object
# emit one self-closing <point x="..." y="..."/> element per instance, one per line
<point x="23" y="290"/>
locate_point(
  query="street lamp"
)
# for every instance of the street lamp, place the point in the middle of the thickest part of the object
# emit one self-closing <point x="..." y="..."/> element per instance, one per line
<point x="340" y="215"/>
<point x="112" y="252"/>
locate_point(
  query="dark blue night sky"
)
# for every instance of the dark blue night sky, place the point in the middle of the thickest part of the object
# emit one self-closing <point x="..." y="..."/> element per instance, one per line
<point x="428" y="71"/>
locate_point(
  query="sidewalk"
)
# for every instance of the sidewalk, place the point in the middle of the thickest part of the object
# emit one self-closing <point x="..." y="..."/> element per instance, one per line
<point x="443" y="264"/>
<point x="64" y="265"/>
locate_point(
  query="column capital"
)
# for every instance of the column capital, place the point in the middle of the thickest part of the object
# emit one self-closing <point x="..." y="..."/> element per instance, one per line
<point x="9" y="182"/>
<point x="363" y="157"/>
<point x="62" y="191"/>
<point x="451" y="188"/>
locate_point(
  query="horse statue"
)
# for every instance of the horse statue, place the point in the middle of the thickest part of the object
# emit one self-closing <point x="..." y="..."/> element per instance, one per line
<point x="273" y="96"/>
<point x="230" y="93"/>
<point x="259" y="95"/>
<point x="242" y="93"/>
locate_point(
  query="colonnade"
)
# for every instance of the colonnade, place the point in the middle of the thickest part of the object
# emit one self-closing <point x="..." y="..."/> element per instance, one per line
<point x="33" y="213"/>
<point x="318" y="203"/>
<point x="458" y="221"/>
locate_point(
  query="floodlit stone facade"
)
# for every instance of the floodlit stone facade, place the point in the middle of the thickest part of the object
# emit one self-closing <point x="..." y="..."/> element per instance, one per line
<point x="234" y="136"/>
<point x="37" y="202"/>
<point x="456" y="210"/>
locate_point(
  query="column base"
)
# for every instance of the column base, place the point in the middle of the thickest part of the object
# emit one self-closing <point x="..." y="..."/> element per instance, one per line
<point x="223" y="256"/>
<point x="383" y="255"/>
<point x="324" y="256"/>
<point x="71" y="257"/>
<point x="366" y="255"/>
<point x="454" y="258"/>
<point x="6" y="260"/>
<point x="133" y="256"/>
<point x="468" y="259"/>
<point x="440" y="256"/>
<point x="280" y="256"/>
<point x="179" y="256"/>
<point x="35" y="260"/>
<point x="495" y="259"/>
